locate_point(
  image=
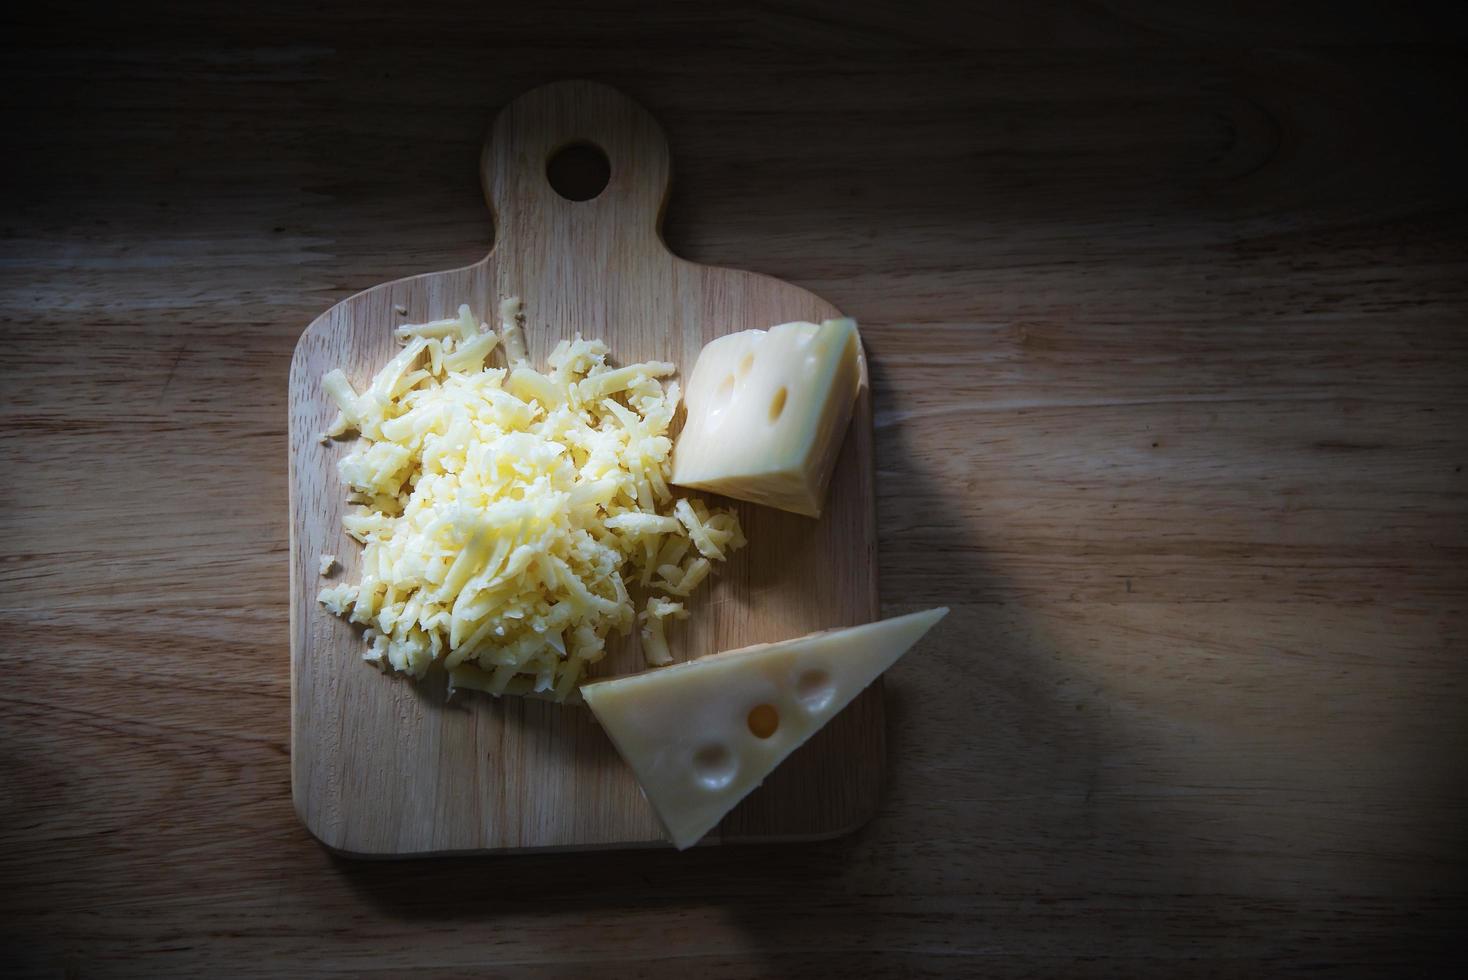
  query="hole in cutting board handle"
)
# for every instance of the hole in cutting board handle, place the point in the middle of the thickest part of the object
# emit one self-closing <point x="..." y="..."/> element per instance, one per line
<point x="578" y="171"/>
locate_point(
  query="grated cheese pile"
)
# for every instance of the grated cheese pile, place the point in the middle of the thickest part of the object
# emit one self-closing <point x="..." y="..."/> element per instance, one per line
<point x="504" y="510"/>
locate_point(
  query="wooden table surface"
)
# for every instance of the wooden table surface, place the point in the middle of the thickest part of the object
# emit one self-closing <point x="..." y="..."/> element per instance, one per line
<point x="1166" y="314"/>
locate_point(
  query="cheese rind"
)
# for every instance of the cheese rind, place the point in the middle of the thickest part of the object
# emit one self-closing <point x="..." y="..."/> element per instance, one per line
<point x="766" y="414"/>
<point x="701" y="735"/>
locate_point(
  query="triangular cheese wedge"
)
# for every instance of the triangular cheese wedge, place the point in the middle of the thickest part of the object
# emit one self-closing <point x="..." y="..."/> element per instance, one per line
<point x="701" y="735"/>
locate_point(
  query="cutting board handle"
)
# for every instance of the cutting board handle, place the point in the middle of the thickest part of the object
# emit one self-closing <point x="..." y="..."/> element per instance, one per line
<point x="544" y="121"/>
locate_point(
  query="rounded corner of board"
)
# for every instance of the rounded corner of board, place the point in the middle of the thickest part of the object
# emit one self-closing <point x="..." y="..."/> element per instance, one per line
<point x="308" y="821"/>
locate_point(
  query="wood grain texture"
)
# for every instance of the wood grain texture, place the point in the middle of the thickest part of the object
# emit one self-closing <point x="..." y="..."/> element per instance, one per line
<point x="382" y="768"/>
<point x="1166" y="314"/>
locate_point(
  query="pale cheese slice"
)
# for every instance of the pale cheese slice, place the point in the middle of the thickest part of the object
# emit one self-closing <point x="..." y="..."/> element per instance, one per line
<point x="701" y="735"/>
<point x="767" y="412"/>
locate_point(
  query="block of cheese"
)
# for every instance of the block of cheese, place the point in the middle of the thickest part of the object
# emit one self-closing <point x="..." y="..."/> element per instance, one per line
<point x="767" y="411"/>
<point x="701" y="735"/>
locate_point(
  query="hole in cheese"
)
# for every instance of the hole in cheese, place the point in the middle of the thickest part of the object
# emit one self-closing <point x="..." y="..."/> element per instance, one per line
<point x="714" y="766"/>
<point x="814" y="690"/>
<point x="746" y="365"/>
<point x="777" y="406"/>
<point x="763" y="720"/>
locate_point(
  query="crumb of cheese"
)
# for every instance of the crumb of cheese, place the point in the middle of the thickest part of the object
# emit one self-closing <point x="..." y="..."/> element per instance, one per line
<point x="505" y="513"/>
<point x="654" y="644"/>
<point x="328" y="564"/>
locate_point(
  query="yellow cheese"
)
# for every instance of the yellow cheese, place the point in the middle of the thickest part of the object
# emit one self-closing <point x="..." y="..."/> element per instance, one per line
<point x="504" y="510"/>
<point x="701" y="735"/>
<point x="767" y="411"/>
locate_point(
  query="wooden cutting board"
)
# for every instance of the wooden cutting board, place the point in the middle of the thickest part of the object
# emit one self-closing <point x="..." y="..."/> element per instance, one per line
<point x="383" y="766"/>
